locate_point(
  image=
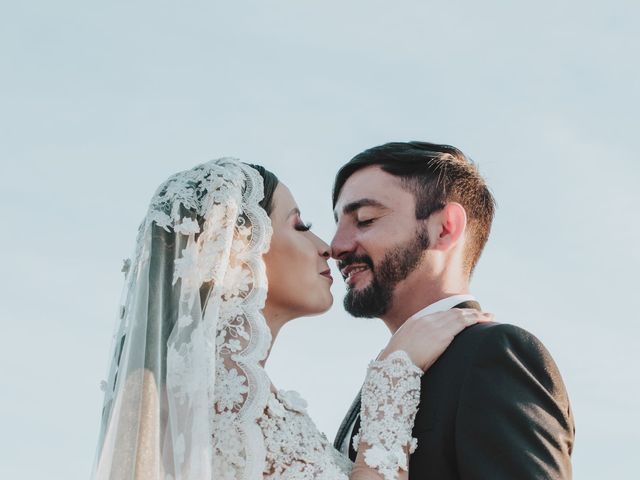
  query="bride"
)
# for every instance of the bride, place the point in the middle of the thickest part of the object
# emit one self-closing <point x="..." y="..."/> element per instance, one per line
<point x="187" y="396"/>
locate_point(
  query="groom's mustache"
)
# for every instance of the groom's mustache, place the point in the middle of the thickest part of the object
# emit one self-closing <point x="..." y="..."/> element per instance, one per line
<point x="350" y="259"/>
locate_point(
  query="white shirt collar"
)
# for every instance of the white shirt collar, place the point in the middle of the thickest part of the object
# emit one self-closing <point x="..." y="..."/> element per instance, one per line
<point x="444" y="304"/>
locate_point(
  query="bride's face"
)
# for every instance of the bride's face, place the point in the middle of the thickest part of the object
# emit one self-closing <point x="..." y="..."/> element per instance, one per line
<point x="297" y="268"/>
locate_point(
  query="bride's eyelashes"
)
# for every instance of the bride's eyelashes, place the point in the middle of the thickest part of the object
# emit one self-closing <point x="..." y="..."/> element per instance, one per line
<point x="303" y="227"/>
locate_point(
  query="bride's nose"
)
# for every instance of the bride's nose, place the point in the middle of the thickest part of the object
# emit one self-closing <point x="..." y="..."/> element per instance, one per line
<point x="324" y="250"/>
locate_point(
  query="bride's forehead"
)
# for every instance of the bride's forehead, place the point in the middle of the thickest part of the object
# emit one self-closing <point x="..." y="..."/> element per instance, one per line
<point x="283" y="198"/>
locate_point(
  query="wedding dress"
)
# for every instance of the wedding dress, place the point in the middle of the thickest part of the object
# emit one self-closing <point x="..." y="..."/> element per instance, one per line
<point x="297" y="450"/>
<point x="186" y="396"/>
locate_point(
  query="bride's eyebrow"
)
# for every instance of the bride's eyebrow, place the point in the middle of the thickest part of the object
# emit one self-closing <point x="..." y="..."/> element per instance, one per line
<point x="294" y="211"/>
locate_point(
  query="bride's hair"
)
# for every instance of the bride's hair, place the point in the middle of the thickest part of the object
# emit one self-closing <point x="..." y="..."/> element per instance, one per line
<point x="270" y="182"/>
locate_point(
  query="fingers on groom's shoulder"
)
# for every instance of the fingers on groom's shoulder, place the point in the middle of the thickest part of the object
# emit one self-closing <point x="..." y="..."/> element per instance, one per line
<point x="480" y="329"/>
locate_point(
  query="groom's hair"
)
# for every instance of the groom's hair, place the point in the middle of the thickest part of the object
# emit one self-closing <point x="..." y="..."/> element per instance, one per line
<point x="435" y="174"/>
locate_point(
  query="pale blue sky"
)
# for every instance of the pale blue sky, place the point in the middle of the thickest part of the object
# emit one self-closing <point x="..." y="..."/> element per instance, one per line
<point x="101" y="101"/>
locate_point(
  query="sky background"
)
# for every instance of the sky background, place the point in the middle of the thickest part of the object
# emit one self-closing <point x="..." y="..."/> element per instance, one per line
<point x="102" y="101"/>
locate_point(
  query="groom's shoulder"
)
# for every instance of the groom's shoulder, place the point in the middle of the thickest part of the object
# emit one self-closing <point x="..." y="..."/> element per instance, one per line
<point x="496" y="331"/>
<point x="497" y="339"/>
<point x="495" y="343"/>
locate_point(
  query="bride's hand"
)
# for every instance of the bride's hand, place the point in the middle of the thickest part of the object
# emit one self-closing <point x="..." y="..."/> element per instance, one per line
<point x="426" y="338"/>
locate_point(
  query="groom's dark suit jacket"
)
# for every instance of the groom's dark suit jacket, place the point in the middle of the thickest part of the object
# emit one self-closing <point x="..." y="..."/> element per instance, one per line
<point x="492" y="407"/>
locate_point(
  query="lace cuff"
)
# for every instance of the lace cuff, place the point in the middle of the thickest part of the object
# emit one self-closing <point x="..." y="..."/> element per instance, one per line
<point x="390" y="398"/>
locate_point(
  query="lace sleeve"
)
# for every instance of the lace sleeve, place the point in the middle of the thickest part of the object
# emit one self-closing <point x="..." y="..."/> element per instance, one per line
<point x="390" y="398"/>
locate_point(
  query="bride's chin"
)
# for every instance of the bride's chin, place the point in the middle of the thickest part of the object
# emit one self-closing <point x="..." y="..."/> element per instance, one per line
<point x="324" y="306"/>
<point x="329" y="304"/>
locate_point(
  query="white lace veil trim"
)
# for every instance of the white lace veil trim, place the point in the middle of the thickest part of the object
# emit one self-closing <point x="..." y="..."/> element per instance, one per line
<point x="185" y="386"/>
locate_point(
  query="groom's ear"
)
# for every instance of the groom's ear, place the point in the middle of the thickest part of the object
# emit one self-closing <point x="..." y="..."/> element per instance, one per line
<point x="447" y="226"/>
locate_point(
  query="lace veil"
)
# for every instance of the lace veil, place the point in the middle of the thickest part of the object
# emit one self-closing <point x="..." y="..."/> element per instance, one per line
<point x="185" y="385"/>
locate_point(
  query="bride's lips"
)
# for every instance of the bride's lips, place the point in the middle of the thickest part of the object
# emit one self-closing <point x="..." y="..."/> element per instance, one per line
<point x="327" y="274"/>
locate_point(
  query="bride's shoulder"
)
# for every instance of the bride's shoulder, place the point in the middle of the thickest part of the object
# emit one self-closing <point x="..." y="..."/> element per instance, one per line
<point x="292" y="400"/>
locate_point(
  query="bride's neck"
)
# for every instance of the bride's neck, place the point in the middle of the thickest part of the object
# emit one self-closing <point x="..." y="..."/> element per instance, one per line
<point x="275" y="322"/>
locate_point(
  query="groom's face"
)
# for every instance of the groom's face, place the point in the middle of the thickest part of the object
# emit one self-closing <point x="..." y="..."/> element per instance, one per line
<point x="378" y="241"/>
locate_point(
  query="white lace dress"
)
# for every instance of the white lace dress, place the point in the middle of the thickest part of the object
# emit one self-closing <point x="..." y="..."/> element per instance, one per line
<point x="297" y="450"/>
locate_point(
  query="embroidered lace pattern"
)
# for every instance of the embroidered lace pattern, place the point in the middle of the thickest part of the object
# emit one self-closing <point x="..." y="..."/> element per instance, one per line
<point x="234" y="336"/>
<point x="215" y="387"/>
<point x="295" y="447"/>
<point x="390" y="398"/>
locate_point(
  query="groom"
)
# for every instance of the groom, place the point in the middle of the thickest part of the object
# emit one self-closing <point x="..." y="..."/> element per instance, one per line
<point x="412" y="220"/>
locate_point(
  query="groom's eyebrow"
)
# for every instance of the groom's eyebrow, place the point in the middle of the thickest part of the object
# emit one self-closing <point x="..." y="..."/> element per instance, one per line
<point x="357" y="205"/>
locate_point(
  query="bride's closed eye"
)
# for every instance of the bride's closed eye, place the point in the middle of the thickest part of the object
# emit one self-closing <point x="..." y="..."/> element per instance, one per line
<point x="303" y="227"/>
<point x="300" y="225"/>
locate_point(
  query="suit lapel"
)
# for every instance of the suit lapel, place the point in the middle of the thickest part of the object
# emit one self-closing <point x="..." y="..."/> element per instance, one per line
<point x="343" y="431"/>
<point x="356" y="429"/>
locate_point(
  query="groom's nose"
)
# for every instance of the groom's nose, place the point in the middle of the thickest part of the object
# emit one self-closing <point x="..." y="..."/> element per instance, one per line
<point x="343" y="242"/>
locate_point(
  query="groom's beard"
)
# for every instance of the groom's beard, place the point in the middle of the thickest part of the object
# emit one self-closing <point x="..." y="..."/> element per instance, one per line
<point x="375" y="300"/>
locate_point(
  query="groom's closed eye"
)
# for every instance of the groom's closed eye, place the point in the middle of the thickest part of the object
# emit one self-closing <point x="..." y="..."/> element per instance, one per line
<point x="366" y="215"/>
<point x="365" y="223"/>
<point x="355" y="208"/>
